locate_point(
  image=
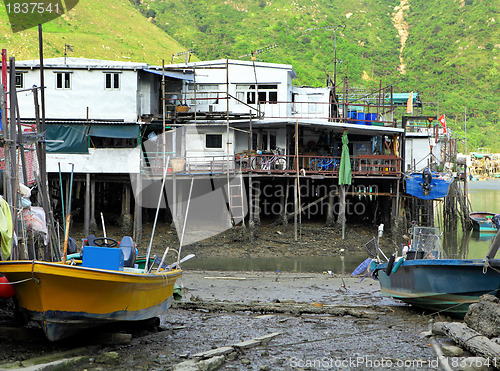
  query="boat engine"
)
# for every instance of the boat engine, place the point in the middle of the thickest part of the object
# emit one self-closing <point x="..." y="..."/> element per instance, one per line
<point x="496" y="221"/>
<point x="426" y="181"/>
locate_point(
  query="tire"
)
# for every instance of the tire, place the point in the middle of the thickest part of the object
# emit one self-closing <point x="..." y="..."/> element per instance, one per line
<point x="280" y="164"/>
<point x="254" y="164"/>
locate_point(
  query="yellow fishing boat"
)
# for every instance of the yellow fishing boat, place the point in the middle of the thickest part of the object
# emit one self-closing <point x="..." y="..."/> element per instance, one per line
<point x="67" y="298"/>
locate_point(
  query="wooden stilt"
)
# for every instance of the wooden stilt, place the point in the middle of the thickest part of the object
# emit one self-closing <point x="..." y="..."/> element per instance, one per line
<point x="251" y="222"/>
<point x="86" y="206"/>
<point x="92" y="221"/>
<point x="329" y="216"/>
<point x="138" y="211"/>
<point x="342" y="209"/>
<point x="296" y="209"/>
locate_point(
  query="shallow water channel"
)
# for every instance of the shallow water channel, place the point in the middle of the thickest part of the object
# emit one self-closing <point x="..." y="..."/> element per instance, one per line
<point x="483" y="196"/>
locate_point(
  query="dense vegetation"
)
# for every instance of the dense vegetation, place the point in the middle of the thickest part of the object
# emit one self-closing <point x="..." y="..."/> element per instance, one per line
<point x="450" y="56"/>
<point x="101" y="29"/>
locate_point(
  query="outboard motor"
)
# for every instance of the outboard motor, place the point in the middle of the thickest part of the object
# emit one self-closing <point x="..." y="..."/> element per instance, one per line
<point x="426" y="181"/>
<point x="127" y="246"/>
<point x="496" y="221"/>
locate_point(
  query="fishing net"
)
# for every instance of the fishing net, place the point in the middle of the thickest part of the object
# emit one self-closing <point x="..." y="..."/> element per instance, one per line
<point x="371" y="248"/>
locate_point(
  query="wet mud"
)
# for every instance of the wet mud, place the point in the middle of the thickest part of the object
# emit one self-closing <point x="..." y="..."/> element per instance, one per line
<point x="388" y="337"/>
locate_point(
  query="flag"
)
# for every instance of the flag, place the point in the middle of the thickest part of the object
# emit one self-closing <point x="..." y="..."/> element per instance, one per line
<point x="442" y="121"/>
<point x="409" y="104"/>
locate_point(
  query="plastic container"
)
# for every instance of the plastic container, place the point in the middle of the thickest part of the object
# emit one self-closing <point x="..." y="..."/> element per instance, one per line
<point x="370" y="117"/>
<point x="414" y="255"/>
<point x="360" y="116"/>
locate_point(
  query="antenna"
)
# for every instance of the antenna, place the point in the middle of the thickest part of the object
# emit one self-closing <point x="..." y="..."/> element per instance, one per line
<point x="67" y="47"/>
<point x="253" y="55"/>
<point x="185" y="53"/>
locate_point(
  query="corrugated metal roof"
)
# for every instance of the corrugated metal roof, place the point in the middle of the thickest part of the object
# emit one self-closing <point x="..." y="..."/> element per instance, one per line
<point x="188" y="76"/>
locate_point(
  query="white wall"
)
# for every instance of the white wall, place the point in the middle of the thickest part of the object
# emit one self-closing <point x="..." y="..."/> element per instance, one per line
<point x="97" y="161"/>
<point x="418" y="151"/>
<point x="311" y="102"/>
<point x="87" y="91"/>
<point x="240" y="73"/>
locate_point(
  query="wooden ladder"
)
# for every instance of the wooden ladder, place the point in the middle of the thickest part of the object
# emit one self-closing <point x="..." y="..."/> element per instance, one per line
<point x="236" y="198"/>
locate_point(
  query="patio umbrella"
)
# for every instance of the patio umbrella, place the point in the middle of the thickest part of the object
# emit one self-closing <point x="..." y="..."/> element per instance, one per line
<point x="345" y="163"/>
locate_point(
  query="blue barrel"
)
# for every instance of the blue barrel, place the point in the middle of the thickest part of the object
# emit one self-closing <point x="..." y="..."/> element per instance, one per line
<point x="351" y="115"/>
<point x="371" y="117"/>
<point x="360" y="116"/>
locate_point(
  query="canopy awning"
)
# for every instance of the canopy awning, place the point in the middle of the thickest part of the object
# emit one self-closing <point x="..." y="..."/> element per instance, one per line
<point x="401" y="99"/>
<point x="188" y="76"/>
<point x="114" y="131"/>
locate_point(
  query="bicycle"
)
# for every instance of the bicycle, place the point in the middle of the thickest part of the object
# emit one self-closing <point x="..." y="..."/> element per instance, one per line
<point x="269" y="161"/>
<point x="324" y="163"/>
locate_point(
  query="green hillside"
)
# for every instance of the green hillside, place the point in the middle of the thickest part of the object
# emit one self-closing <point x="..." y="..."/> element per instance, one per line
<point x="450" y="55"/>
<point x="101" y="29"/>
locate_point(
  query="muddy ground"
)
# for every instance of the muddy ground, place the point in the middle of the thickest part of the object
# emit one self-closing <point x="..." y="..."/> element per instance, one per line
<point x="389" y="334"/>
<point x="386" y="335"/>
<point x="269" y="240"/>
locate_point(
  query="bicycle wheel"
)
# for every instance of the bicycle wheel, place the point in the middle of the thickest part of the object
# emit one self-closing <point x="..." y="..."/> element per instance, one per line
<point x="254" y="164"/>
<point x="280" y="164"/>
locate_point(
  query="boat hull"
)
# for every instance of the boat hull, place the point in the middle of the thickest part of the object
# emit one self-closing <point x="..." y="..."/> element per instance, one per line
<point x="66" y="299"/>
<point x="482" y="222"/>
<point x="447" y="285"/>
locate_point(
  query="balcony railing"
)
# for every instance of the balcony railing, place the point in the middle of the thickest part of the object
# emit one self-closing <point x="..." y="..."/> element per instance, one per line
<point x="271" y="163"/>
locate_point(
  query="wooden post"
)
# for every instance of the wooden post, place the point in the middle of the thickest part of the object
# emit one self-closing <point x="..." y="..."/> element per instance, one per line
<point x="329" y="216"/>
<point x="92" y="221"/>
<point x="257" y="206"/>
<point x="251" y="222"/>
<point x="138" y="211"/>
<point x="295" y="208"/>
<point x="86" y="206"/>
<point x="341" y="219"/>
<point x="11" y="137"/>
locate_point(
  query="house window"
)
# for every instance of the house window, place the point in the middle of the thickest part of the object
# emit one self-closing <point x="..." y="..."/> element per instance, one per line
<point x="261" y="93"/>
<point x="20" y="80"/>
<point x="63" y="80"/>
<point x="112" y="81"/>
<point x="213" y="141"/>
<point x="206" y="94"/>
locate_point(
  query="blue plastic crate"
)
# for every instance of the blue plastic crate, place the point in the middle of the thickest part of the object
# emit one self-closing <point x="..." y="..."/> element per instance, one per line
<point x="102" y="258"/>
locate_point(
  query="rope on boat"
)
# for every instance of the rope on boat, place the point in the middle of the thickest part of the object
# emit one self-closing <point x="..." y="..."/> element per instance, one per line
<point x="16" y="282"/>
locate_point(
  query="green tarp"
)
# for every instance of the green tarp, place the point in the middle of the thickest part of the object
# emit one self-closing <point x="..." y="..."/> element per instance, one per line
<point x="73" y="138"/>
<point x="345" y="174"/>
<point x="114" y="131"/>
<point x="66" y="138"/>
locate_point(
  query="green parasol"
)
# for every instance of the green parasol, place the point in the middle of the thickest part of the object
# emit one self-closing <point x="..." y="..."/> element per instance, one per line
<point x="345" y="174"/>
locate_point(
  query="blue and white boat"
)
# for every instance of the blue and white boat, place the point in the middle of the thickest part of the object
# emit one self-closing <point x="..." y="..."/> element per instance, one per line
<point x="427" y="185"/>
<point x="425" y="279"/>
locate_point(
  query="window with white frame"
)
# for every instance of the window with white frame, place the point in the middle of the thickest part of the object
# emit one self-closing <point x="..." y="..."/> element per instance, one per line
<point x="253" y="93"/>
<point x="20" y="80"/>
<point x="206" y="94"/>
<point x="213" y="141"/>
<point x="111" y="81"/>
<point x="63" y="80"/>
